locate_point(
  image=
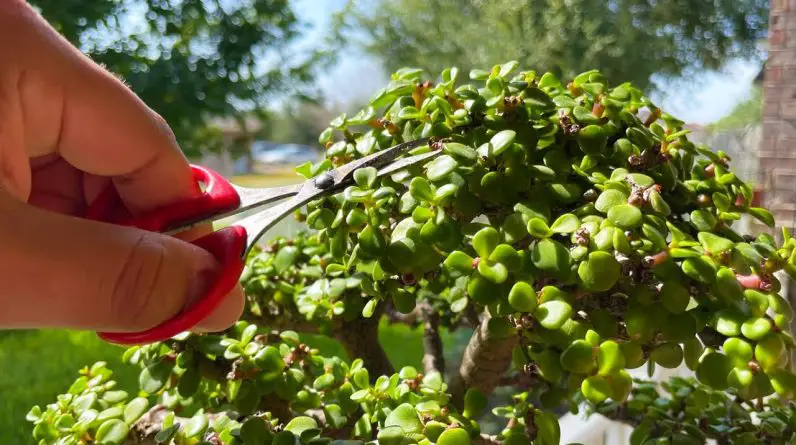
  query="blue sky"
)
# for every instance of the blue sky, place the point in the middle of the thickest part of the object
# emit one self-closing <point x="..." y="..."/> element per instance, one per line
<point x="698" y="100"/>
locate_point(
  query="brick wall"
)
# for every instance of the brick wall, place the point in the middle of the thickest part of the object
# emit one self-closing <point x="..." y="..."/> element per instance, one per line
<point x="778" y="147"/>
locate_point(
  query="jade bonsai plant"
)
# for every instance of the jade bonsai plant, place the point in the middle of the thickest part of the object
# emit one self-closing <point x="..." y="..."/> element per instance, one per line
<point x="572" y="226"/>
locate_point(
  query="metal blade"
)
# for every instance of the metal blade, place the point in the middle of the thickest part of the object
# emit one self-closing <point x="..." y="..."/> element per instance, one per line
<point x="406" y="162"/>
<point x="250" y="198"/>
<point x="377" y="160"/>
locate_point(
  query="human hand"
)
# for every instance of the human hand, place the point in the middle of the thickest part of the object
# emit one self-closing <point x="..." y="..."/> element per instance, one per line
<point x="67" y="128"/>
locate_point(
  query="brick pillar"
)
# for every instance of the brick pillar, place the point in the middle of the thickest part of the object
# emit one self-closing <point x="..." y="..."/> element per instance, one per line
<point x="778" y="147"/>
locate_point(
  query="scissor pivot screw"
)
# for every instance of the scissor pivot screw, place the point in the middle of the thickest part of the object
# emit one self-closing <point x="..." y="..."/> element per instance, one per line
<point x="324" y="181"/>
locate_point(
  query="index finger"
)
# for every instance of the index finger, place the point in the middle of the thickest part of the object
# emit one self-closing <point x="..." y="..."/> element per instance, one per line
<point x="105" y="129"/>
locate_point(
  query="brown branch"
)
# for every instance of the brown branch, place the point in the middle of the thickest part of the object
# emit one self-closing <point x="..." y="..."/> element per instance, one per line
<point x="393" y="316"/>
<point x="278" y="407"/>
<point x="620" y="414"/>
<point x="144" y="430"/>
<point x="521" y="380"/>
<point x="433" y="358"/>
<point x="360" y="338"/>
<point x="486" y="358"/>
<point x="711" y="338"/>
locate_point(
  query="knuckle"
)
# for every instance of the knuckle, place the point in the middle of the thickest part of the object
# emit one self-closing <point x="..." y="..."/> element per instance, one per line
<point x="135" y="299"/>
<point x="163" y="126"/>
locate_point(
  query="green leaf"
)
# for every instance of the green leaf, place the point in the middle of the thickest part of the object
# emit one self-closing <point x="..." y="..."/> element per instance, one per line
<point x="578" y="357"/>
<point x="553" y="314"/>
<point x="610" y="358"/>
<point x="596" y="389"/>
<point x="33" y="414"/>
<point x="703" y="220"/>
<point x="592" y="139"/>
<point x="440" y="167"/>
<point x="659" y="205"/>
<point x="538" y="228"/>
<point x="496" y="272"/>
<point x="420" y="189"/>
<point x="460" y="150"/>
<point x="254" y="431"/>
<point x="566" y="223"/>
<point x="713" y="369"/>
<point x="112" y="432"/>
<point x="155" y="376"/>
<point x="522" y="297"/>
<point x="454" y="436"/>
<point x="674" y="297"/>
<point x="365" y="177"/>
<point x="551" y="256"/>
<point x="600" y="272"/>
<point x="485" y="241"/>
<point x="167" y="433"/>
<point x="460" y="262"/>
<point x="285" y="258"/>
<point x="408" y="113"/>
<point x="762" y="215"/>
<point x="445" y="191"/>
<point x="739" y="351"/>
<point x="507" y="256"/>
<point x="370" y="308"/>
<point x="756" y="328"/>
<point x="482" y="290"/>
<point x="405" y="417"/>
<point x="135" y="409"/>
<point x="502" y="140"/>
<point x="549" y="431"/>
<point x="290" y="337"/>
<point x="668" y="355"/>
<point x="475" y="402"/>
<point x="196" y="426"/>
<point x="625" y="216"/>
<point x="714" y="243"/>
<point x="298" y="425"/>
<point x="608" y="199"/>
<point x="641" y="179"/>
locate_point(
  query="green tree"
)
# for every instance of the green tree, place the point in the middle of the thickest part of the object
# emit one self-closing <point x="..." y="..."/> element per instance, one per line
<point x="627" y="40"/>
<point x="569" y="227"/>
<point x="299" y="124"/>
<point x="194" y="60"/>
<point x="743" y="115"/>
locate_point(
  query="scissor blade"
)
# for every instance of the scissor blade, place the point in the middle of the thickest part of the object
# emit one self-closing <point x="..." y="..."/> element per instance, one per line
<point x="250" y="199"/>
<point x="378" y="159"/>
<point x="406" y="162"/>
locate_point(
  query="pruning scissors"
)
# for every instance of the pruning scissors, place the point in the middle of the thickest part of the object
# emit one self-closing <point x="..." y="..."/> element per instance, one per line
<point x="231" y="245"/>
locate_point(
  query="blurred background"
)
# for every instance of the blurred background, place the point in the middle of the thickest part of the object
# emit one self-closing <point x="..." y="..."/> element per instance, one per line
<point x="248" y="85"/>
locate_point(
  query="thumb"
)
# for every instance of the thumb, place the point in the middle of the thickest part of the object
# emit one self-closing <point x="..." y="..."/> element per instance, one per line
<point x="63" y="272"/>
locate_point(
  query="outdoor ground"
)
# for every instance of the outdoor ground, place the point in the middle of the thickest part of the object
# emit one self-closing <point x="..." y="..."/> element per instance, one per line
<point x="36" y="366"/>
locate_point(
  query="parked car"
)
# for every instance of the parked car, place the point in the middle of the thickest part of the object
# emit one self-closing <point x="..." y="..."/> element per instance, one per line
<point x="265" y="152"/>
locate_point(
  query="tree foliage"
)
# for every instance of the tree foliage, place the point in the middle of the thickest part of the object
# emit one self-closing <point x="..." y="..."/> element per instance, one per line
<point x="744" y="115"/>
<point x="627" y="40"/>
<point x="571" y="225"/>
<point x="299" y="124"/>
<point x="194" y="60"/>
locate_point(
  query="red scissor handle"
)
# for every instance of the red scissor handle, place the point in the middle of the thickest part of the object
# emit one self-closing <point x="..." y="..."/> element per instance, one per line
<point x="227" y="245"/>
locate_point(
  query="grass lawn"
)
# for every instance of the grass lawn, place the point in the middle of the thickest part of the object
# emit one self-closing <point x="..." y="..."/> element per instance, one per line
<point x="278" y="177"/>
<point x="36" y="366"/>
